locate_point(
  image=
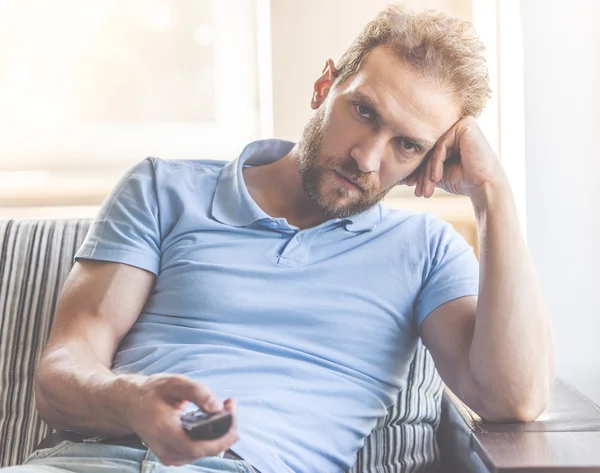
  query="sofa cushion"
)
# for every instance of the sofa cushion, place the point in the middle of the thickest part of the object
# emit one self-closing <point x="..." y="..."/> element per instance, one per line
<point x="405" y="440"/>
<point x="35" y="258"/>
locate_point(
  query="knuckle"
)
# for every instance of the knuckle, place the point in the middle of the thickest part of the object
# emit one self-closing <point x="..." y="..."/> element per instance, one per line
<point x="173" y="384"/>
<point x="201" y="389"/>
<point x="176" y="379"/>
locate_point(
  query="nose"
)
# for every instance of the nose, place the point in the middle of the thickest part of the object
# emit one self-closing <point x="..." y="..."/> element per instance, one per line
<point x="369" y="153"/>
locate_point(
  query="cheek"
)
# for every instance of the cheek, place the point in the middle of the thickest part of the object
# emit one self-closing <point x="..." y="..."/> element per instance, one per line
<point x="391" y="173"/>
<point x="340" y="136"/>
<point x="340" y="126"/>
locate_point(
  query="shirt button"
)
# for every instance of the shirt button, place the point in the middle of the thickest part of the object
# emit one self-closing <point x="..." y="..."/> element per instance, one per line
<point x="273" y="224"/>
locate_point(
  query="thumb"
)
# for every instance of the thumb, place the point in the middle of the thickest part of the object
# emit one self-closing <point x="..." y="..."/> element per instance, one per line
<point x="186" y="389"/>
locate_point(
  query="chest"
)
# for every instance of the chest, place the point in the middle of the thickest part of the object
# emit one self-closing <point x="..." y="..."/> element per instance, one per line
<point x="326" y="293"/>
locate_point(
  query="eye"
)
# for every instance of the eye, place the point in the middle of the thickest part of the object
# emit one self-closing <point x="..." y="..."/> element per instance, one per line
<point x="408" y="146"/>
<point x="363" y="111"/>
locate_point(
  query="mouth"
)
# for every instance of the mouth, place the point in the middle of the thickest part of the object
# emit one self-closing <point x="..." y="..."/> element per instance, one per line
<point x="347" y="182"/>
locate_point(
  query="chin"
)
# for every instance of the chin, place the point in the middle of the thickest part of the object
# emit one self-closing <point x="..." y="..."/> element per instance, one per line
<point x="341" y="208"/>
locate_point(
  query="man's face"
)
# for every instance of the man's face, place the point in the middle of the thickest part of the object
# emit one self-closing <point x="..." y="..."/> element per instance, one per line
<point x="370" y="133"/>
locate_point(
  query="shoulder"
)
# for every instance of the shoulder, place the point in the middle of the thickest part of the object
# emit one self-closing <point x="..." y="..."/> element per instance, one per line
<point x="175" y="169"/>
<point x="171" y="184"/>
<point x="176" y="178"/>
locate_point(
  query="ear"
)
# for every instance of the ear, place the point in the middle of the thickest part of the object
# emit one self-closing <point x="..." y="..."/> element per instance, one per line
<point x="323" y="84"/>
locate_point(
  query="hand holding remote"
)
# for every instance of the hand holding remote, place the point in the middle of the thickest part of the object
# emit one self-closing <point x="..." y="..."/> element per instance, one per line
<point x="155" y="412"/>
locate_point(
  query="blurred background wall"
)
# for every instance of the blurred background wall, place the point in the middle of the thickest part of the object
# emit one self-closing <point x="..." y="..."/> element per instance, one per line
<point x="562" y="118"/>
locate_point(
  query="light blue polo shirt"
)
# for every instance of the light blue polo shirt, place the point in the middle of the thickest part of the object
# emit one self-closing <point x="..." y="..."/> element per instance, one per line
<point x="311" y="331"/>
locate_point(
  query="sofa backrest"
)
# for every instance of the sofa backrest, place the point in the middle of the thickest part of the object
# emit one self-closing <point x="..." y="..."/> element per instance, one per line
<point x="35" y="258"/>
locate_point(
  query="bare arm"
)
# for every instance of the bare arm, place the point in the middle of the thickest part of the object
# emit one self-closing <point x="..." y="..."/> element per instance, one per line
<point x="74" y="387"/>
<point x="495" y="351"/>
<point x="512" y="354"/>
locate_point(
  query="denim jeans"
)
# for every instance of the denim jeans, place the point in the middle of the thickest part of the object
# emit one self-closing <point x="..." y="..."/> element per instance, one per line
<point x="99" y="458"/>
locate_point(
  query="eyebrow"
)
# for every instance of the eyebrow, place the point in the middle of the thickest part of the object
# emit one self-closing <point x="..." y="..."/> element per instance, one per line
<point x="362" y="97"/>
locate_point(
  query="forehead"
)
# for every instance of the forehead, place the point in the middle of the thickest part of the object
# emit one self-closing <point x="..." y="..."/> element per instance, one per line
<point x="407" y="100"/>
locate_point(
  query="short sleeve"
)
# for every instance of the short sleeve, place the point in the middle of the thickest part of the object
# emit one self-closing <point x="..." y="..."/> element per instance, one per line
<point x="127" y="229"/>
<point x="453" y="271"/>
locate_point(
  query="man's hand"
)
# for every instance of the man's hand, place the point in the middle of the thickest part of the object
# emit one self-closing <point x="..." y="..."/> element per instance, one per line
<point x="461" y="163"/>
<point x="155" y="406"/>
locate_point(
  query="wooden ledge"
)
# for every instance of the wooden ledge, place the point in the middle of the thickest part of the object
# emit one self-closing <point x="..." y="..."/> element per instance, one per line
<point x="565" y="438"/>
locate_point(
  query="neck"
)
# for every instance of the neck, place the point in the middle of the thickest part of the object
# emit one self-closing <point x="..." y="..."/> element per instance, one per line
<point x="277" y="190"/>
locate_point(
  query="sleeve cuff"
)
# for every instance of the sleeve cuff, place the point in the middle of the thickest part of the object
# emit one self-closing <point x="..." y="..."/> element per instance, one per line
<point x="449" y="294"/>
<point x="137" y="259"/>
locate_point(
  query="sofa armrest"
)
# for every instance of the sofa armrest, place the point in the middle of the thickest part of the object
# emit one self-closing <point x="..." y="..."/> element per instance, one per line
<point x="565" y="438"/>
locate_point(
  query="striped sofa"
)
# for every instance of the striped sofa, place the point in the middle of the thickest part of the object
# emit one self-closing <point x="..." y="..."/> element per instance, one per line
<point x="35" y="258"/>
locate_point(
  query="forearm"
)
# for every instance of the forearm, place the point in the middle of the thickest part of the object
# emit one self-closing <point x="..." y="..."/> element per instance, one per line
<point x="74" y="391"/>
<point x="511" y="358"/>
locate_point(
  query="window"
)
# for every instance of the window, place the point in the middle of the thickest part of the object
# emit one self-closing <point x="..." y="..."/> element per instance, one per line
<point x="91" y="87"/>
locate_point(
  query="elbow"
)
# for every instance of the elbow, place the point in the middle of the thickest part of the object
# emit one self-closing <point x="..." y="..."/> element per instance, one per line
<point x="524" y="408"/>
<point x="519" y="400"/>
<point x="515" y="414"/>
<point x="42" y="406"/>
<point x="43" y="403"/>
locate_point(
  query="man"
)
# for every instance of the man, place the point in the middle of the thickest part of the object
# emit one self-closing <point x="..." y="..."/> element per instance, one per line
<point x="280" y="281"/>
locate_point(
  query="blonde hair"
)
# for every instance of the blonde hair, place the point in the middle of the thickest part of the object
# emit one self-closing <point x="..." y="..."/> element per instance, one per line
<point x="435" y="44"/>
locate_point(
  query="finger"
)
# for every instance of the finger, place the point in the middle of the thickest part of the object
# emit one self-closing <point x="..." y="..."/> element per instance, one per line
<point x="421" y="183"/>
<point x="423" y="177"/>
<point x="231" y="406"/>
<point x="429" y="185"/>
<point x="183" y="388"/>
<point x="223" y="443"/>
<point x="442" y="152"/>
<point x="438" y="158"/>
<point x="419" y="186"/>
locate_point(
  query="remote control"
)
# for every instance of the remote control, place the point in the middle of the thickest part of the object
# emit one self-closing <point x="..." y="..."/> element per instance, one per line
<point x="200" y="425"/>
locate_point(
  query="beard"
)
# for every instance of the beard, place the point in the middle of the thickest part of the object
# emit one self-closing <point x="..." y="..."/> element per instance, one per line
<point x="337" y="202"/>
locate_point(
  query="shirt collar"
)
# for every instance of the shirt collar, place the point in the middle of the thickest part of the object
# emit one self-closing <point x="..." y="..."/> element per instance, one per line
<point x="233" y="205"/>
